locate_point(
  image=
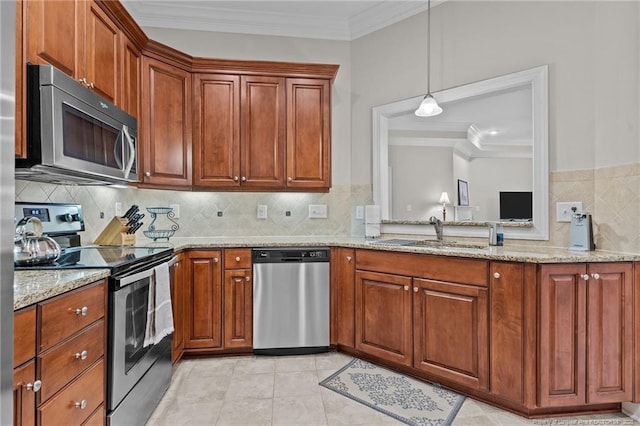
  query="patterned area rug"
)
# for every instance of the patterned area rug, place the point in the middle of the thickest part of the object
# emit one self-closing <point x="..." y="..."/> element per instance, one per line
<point x="403" y="398"/>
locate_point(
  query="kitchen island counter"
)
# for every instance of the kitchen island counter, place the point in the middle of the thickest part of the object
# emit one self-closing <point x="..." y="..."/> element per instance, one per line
<point x="33" y="286"/>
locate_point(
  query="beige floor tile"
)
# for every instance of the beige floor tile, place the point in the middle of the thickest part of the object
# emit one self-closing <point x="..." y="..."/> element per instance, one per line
<point x="246" y="386"/>
<point x="329" y="360"/>
<point x="246" y="412"/>
<point x="192" y="413"/>
<point x="470" y="408"/>
<point x="323" y="374"/>
<point x="481" y="420"/>
<point x="203" y="388"/>
<point x="214" y="367"/>
<point x="296" y="383"/>
<point x="294" y="411"/>
<point x="295" y="363"/>
<point x="254" y="365"/>
<point x="344" y="411"/>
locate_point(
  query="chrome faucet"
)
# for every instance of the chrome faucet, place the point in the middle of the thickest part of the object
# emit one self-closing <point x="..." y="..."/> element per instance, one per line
<point x="438" y="225"/>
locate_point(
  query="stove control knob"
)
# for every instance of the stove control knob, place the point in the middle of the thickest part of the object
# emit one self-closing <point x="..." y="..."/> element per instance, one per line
<point x="68" y="217"/>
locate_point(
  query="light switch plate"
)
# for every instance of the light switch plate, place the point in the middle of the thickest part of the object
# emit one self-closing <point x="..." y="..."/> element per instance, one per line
<point x="359" y="212"/>
<point x="261" y="211"/>
<point x="564" y="212"/>
<point x="317" y="211"/>
<point x="118" y="208"/>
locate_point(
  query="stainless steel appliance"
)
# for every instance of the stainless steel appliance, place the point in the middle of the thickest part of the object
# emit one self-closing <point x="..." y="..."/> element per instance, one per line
<point x="290" y="300"/>
<point x="137" y="376"/>
<point x="74" y="135"/>
<point x="581" y="232"/>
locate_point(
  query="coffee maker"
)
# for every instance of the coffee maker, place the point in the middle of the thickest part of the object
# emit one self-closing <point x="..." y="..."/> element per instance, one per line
<point x="581" y="236"/>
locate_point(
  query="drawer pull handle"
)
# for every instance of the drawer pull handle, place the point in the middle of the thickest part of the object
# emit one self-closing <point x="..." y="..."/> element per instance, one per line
<point x="585" y="277"/>
<point x="348" y="258"/>
<point x="496" y="275"/>
<point x="415" y="289"/>
<point x="35" y="386"/>
<point x="237" y="258"/>
<point x="595" y="276"/>
<point x="81" y="405"/>
<point x="82" y="355"/>
<point x="82" y="311"/>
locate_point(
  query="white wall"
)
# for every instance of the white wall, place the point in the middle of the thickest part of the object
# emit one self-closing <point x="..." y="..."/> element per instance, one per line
<point x="591" y="48"/>
<point x="288" y="49"/>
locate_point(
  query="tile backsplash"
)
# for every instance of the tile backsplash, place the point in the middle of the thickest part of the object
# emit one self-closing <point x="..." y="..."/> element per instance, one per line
<point x="199" y="211"/>
<point x="611" y="195"/>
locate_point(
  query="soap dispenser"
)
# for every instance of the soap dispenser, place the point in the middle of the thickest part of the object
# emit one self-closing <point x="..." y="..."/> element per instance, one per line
<point x="493" y="234"/>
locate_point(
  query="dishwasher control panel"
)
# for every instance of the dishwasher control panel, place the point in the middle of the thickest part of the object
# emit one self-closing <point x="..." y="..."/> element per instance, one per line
<point x="291" y="254"/>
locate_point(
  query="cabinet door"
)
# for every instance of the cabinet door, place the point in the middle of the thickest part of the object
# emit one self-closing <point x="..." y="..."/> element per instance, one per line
<point x="308" y="133"/>
<point x="102" y="59"/>
<point x="450" y="331"/>
<point x="24" y="335"/>
<point x="562" y="334"/>
<point x="131" y="63"/>
<point x="216" y="139"/>
<point x="238" y="308"/>
<point x="55" y="34"/>
<point x="343" y="296"/>
<point x="177" y="304"/>
<point x="24" y="395"/>
<point x="383" y="316"/>
<point x="609" y="333"/>
<point x="203" y="301"/>
<point x="166" y="124"/>
<point x="262" y="137"/>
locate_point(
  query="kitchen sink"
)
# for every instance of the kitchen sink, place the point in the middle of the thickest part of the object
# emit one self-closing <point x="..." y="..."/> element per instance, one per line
<point x="444" y="244"/>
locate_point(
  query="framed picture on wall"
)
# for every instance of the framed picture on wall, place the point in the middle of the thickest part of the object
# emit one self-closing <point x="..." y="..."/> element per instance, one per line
<point x="463" y="193"/>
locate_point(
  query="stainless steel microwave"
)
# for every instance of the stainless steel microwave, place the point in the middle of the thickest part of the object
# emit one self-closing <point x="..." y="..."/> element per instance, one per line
<point x="73" y="135"/>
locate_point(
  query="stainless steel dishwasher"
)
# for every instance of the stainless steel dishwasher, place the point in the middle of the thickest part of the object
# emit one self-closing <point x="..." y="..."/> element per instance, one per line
<point x="290" y="300"/>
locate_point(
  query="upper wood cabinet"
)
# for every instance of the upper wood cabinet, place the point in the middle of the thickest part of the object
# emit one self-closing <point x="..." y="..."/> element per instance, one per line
<point x="131" y="77"/>
<point x="78" y="38"/>
<point x="585" y="334"/>
<point x="165" y="130"/>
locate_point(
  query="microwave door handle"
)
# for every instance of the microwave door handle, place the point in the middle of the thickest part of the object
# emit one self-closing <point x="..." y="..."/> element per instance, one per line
<point x="118" y="153"/>
<point x="132" y="151"/>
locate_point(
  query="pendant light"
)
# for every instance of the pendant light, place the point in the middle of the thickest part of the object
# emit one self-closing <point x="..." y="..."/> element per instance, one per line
<point x="428" y="107"/>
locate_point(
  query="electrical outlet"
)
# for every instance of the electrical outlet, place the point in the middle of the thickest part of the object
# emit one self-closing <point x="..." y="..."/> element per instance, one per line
<point x="564" y="212"/>
<point x="176" y="210"/>
<point x="317" y="211"/>
<point x="262" y="211"/>
<point x="118" y="209"/>
<point x="359" y="212"/>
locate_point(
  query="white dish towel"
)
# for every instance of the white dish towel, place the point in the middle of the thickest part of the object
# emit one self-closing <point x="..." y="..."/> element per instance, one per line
<point x="159" y="312"/>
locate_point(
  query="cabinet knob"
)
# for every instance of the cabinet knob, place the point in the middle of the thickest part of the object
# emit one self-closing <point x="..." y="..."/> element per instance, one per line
<point x="244" y="179"/>
<point x="496" y="275"/>
<point x="35" y="386"/>
<point x="289" y="179"/>
<point x="348" y="258"/>
<point x="237" y="258"/>
<point x="235" y="178"/>
<point x="247" y="279"/>
<point x="215" y="260"/>
<point x="585" y="277"/>
<point x="81" y="405"/>
<point x="82" y="311"/>
<point x="147" y="174"/>
<point x="83" y="81"/>
<point x="415" y="289"/>
<point x="82" y="355"/>
<point x="595" y="276"/>
<point x="406" y="288"/>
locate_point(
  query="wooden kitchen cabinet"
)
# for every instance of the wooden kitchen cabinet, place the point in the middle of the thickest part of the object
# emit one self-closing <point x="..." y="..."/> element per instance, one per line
<point x="450" y="331"/>
<point x="177" y="305"/>
<point x="24" y="394"/>
<point x="585" y="352"/>
<point x="78" y="38"/>
<point x="343" y="296"/>
<point x="238" y="308"/>
<point x="308" y="133"/>
<point x="165" y="128"/>
<point x="203" y="301"/>
<point x="383" y="316"/>
<point x="131" y="77"/>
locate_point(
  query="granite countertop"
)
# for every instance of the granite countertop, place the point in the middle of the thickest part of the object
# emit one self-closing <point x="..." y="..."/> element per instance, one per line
<point x="510" y="252"/>
<point x="32" y="286"/>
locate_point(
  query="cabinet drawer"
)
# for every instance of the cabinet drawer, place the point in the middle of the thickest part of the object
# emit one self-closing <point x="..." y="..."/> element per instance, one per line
<point x="62" y="363"/>
<point x="97" y="418"/>
<point x="64" y="315"/>
<point x="66" y="408"/>
<point x="237" y="258"/>
<point x="24" y="335"/>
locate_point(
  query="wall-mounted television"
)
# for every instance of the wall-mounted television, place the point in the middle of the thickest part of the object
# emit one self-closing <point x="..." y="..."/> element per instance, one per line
<point x="516" y="205"/>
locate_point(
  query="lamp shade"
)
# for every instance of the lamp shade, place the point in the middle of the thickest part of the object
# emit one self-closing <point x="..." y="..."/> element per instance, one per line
<point x="428" y="107"/>
<point x="444" y="198"/>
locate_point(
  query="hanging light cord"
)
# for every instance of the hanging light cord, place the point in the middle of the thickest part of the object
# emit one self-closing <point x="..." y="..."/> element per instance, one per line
<point x="428" y="47"/>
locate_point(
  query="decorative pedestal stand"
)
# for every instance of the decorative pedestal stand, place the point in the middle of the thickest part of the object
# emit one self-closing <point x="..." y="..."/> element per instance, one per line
<point x="156" y="234"/>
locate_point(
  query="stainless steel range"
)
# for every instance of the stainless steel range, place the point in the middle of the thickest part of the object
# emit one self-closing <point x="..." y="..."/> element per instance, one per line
<point x="137" y="375"/>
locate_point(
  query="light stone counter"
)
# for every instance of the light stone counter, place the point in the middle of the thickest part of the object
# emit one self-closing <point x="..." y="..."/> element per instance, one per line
<point x="33" y="286"/>
<point x="511" y="252"/>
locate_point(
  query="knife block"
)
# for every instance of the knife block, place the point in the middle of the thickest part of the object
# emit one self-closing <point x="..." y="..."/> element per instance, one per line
<point x="115" y="234"/>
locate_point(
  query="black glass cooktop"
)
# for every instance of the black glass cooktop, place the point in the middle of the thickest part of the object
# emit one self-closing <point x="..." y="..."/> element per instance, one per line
<point x="116" y="258"/>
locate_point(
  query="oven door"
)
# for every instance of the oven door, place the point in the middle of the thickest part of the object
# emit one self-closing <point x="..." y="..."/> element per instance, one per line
<point x="129" y="359"/>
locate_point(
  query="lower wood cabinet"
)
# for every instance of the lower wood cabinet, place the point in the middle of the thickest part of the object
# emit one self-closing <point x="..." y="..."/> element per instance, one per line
<point x="238" y="306"/>
<point x="343" y="295"/>
<point x="24" y="394"/>
<point x="177" y="304"/>
<point x="586" y="334"/>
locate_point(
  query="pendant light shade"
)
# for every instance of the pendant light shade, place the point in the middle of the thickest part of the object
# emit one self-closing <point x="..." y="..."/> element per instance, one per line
<point x="429" y="106"/>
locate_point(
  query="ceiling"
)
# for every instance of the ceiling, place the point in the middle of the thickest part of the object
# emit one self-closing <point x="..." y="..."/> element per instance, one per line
<point x="327" y="19"/>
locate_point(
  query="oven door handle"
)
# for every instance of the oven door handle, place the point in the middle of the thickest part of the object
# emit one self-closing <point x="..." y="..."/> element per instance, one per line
<point x="130" y="279"/>
<point x="172" y="261"/>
